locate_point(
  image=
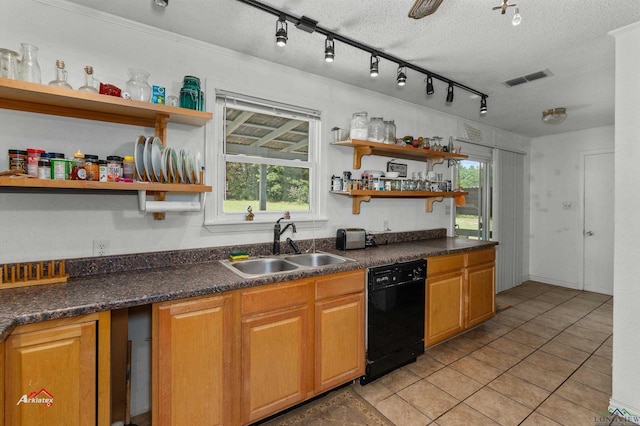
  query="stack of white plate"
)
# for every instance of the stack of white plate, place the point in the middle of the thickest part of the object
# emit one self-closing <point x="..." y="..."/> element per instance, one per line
<point x="157" y="163"/>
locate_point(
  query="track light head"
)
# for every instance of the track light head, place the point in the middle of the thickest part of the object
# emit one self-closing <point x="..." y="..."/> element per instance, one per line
<point x="450" y="93"/>
<point x="281" y="32"/>
<point x="161" y="3"/>
<point x="401" y="79"/>
<point x="430" y="89"/>
<point x="483" y="105"/>
<point x="373" y="68"/>
<point x="329" y="49"/>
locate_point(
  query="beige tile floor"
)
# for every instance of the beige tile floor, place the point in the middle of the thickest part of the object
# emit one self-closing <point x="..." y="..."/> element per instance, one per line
<point x="545" y="360"/>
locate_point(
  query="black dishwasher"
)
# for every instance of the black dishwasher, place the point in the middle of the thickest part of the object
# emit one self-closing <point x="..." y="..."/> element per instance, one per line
<point x="395" y="316"/>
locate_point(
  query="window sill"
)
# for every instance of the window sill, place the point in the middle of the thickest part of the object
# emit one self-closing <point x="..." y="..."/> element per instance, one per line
<point x="259" y="225"/>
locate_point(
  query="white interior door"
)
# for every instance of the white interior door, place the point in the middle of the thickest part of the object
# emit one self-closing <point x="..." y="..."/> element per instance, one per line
<point x="598" y="222"/>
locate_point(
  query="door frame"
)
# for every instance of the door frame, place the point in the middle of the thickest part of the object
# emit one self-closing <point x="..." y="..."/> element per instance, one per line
<point x="581" y="207"/>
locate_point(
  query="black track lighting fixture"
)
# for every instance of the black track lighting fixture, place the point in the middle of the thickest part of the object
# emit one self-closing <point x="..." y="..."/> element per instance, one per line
<point x="373" y="67"/>
<point x="401" y="79"/>
<point x="483" y="105"/>
<point x="429" y="81"/>
<point x="450" y="93"/>
<point x="281" y="31"/>
<point x="329" y="49"/>
<point x="311" y="26"/>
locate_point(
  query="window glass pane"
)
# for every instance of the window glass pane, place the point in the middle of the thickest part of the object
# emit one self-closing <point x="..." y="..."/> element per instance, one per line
<point x="265" y="135"/>
<point x="266" y="187"/>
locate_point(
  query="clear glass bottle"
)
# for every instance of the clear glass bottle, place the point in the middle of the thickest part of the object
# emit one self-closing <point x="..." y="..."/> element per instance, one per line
<point x="137" y="86"/>
<point x="390" y="132"/>
<point x="89" y="84"/>
<point x="376" y="130"/>
<point x="359" y="126"/>
<point x="29" y="66"/>
<point x="61" y="76"/>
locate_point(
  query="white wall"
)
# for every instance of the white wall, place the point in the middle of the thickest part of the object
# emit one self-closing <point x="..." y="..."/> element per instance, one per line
<point x="626" y="268"/>
<point x="555" y="240"/>
<point x="64" y="225"/>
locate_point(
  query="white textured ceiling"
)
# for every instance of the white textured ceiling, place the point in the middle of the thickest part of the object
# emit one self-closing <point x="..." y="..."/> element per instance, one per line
<point x="464" y="40"/>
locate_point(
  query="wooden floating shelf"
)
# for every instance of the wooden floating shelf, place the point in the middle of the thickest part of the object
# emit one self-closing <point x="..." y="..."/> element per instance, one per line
<point x="358" y="196"/>
<point x="362" y="147"/>
<point x="113" y="186"/>
<point x="45" y="99"/>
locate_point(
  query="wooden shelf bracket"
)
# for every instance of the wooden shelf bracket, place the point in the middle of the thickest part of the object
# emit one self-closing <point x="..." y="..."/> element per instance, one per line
<point x="430" y="201"/>
<point x="355" y="202"/>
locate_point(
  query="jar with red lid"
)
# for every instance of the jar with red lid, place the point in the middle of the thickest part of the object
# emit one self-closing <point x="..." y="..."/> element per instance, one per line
<point x="33" y="156"/>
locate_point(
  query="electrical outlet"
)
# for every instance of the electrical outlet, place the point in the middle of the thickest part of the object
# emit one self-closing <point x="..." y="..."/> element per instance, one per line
<point x="447" y="210"/>
<point x="100" y="247"/>
<point x="386" y="225"/>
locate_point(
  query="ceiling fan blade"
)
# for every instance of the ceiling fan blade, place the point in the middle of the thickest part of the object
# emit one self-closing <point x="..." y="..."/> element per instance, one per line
<point x="422" y="8"/>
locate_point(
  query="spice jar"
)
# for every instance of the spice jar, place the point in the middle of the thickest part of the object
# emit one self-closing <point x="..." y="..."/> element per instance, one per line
<point x="359" y="126"/>
<point x="376" y="130"/>
<point x="91" y="166"/>
<point x="114" y="168"/>
<point x="33" y="156"/>
<point x="59" y="169"/>
<point x="128" y="167"/>
<point x="78" y="172"/>
<point x="102" y="171"/>
<point x="18" y="160"/>
<point x="44" y="169"/>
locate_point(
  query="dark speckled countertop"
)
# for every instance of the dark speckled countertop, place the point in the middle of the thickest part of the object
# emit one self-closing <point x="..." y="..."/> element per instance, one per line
<point x="108" y="291"/>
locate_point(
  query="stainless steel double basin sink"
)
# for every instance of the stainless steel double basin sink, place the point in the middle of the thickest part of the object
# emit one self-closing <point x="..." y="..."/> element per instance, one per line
<point x="252" y="268"/>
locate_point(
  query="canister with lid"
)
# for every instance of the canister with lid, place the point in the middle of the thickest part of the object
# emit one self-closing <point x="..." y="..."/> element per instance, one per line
<point x="128" y="167"/>
<point x="359" y="125"/>
<point x="78" y="171"/>
<point x="33" y="156"/>
<point x="18" y="160"/>
<point x="376" y="130"/>
<point x="91" y="166"/>
<point x="44" y="169"/>
<point x="102" y="171"/>
<point x="114" y="168"/>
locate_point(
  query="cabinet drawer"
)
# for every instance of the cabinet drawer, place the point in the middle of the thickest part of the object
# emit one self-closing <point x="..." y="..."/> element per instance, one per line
<point x="275" y="296"/>
<point x="339" y="284"/>
<point x="482" y="256"/>
<point x="439" y="264"/>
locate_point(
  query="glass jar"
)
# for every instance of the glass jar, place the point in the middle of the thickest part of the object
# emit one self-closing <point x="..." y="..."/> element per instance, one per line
<point x="128" y="167"/>
<point x="138" y="86"/>
<point x="359" y="126"/>
<point x="376" y="130"/>
<point x="91" y="166"/>
<point x="44" y="169"/>
<point x="390" y="132"/>
<point x="33" y="156"/>
<point x="18" y="160"/>
<point x="61" y="76"/>
<point x="114" y="168"/>
<point x="29" y="66"/>
<point x="102" y="171"/>
<point x="78" y="172"/>
<point x="9" y="64"/>
<point x="89" y="83"/>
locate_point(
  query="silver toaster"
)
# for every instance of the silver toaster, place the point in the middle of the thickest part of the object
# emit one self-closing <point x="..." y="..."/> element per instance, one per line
<point x="351" y="238"/>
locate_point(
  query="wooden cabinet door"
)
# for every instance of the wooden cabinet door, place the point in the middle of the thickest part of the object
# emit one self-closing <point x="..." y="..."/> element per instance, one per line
<point x="192" y="362"/>
<point x="444" y="308"/>
<point x="340" y="353"/>
<point x="275" y="361"/>
<point x="481" y="290"/>
<point x="52" y="374"/>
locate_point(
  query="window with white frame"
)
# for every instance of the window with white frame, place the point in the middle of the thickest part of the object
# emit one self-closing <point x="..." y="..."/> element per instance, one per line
<point x="266" y="159"/>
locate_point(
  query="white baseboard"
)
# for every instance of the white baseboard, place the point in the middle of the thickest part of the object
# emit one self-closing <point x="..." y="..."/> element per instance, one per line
<point x="547" y="280"/>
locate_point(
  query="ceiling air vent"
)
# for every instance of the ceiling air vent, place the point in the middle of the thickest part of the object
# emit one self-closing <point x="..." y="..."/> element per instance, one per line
<point x="527" y="78"/>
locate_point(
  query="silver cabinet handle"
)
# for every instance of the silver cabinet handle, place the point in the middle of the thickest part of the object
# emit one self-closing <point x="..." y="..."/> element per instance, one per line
<point x="588" y="233"/>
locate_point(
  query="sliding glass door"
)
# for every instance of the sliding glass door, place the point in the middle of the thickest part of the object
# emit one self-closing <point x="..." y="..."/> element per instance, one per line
<point x="474" y="218"/>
